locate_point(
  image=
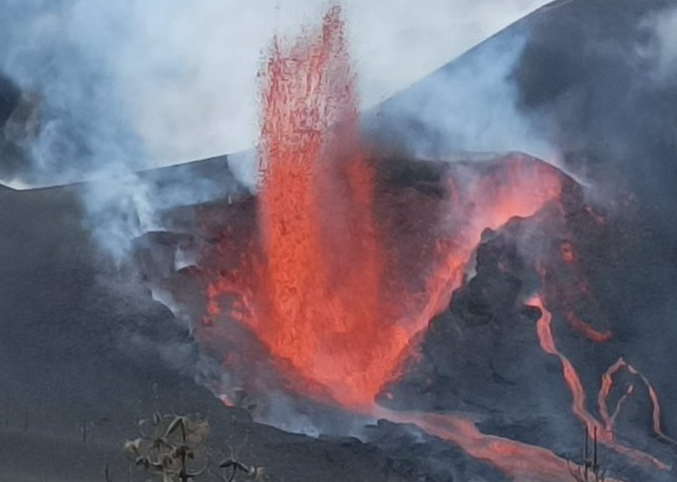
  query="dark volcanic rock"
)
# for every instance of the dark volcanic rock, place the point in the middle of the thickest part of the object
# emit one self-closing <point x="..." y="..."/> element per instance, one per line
<point x="585" y="76"/>
<point x="483" y="354"/>
<point x="612" y="117"/>
<point x="9" y="98"/>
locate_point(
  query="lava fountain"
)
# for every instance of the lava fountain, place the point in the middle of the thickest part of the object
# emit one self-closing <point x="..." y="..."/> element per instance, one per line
<point x="321" y="307"/>
<point x="326" y="303"/>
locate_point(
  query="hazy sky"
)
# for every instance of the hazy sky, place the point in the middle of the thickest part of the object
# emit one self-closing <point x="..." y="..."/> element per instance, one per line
<point x="194" y="92"/>
<point x="165" y="81"/>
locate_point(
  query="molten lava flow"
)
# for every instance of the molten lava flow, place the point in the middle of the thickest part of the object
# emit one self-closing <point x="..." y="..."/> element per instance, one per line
<point x="605" y="392"/>
<point x="573" y="381"/>
<point x="571" y="293"/>
<point x="582" y="327"/>
<point x="515" y="188"/>
<point x="520" y="461"/>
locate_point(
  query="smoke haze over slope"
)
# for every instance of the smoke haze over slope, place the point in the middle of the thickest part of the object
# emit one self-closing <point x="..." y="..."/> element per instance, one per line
<point x="142" y="84"/>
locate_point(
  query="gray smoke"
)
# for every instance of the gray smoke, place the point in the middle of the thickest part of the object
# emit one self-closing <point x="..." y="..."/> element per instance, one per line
<point x="55" y="52"/>
<point x="161" y="82"/>
<point x="468" y="106"/>
<point x="663" y="26"/>
<point x="601" y="92"/>
<point x="103" y="89"/>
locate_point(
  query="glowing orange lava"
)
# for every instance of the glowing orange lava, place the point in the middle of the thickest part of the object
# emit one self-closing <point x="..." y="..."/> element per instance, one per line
<point x="322" y="300"/>
<point x="323" y="287"/>
<point x="605" y="391"/>
<point x="521" y="462"/>
<point x="322" y="291"/>
<point x="516" y="188"/>
<point x="582" y="327"/>
<point x="604" y="430"/>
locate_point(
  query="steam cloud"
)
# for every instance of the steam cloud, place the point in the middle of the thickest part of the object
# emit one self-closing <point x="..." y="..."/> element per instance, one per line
<point x="142" y="84"/>
<point x="103" y="89"/>
<point x="664" y="26"/>
<point x="595" y="92"/>
<point x="467" y="107"/>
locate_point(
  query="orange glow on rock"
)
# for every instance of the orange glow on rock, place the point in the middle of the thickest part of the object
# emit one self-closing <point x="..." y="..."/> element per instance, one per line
<point x="320" y="299"/>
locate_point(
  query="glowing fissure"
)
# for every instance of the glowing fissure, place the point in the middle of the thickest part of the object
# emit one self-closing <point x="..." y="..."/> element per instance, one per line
<point x="605" y="392"/>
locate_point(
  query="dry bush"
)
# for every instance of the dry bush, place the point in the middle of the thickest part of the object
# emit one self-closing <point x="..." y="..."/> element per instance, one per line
<point x="174" y="449"/>
<point x="591" y="470"/>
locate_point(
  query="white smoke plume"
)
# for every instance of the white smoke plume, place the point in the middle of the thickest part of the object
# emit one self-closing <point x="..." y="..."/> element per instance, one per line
<point x="129" y="85"/>
<point x="163" y="81"/>
<point x="662" y="50"/>
<point x="463" y="110"/>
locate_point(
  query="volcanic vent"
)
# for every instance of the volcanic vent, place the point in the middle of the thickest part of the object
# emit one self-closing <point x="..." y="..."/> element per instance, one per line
<point x="356" y="281"/>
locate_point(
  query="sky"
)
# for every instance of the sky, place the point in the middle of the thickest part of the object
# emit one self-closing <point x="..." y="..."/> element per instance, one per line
<point x="221" y="45"/>
<point x="148" y="83"/>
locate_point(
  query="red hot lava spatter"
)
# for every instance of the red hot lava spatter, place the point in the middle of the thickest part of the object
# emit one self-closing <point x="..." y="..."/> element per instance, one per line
<point x="317" y="289"/>
<point x="321" y="307"/>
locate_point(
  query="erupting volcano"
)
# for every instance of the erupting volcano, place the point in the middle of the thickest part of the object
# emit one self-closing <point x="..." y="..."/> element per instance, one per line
<point x="344" y="269"/>
<point x="471" y="280"/>
<point x="330" y="294"/>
